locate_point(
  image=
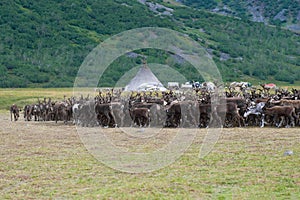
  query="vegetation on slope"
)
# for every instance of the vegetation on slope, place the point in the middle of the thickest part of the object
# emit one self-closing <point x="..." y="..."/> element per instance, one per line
<point x="251" y="48"/>
<point x="43" y="42"/>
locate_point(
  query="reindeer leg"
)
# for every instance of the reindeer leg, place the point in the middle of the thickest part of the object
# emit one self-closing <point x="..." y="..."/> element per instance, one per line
<point x="292" y="121"/>
<point x="262" y="121"/>
<point x="279" y="125"/>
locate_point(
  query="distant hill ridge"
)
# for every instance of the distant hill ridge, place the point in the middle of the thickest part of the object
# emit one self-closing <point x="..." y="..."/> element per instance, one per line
<point x="285" y="13"/>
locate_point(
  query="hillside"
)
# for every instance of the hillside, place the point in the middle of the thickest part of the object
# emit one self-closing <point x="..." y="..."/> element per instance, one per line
<point x="285" y="13"/>
<point x="44" y="42"/>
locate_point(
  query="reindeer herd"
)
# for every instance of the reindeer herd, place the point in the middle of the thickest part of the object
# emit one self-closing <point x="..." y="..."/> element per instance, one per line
<point x="240" y="106"/>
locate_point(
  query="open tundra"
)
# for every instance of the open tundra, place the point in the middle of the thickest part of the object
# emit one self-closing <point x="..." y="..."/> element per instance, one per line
<point x="42" y="160"/>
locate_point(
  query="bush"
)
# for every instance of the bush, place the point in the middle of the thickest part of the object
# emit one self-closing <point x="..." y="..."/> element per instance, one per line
<point x="285" y="76"/>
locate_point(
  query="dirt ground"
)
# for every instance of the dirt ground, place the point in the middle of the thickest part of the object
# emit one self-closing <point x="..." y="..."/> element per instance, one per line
<point x="48" y="160"/>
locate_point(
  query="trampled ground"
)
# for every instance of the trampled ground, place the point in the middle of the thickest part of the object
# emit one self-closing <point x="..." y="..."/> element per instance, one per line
<point x="44" y="160"/>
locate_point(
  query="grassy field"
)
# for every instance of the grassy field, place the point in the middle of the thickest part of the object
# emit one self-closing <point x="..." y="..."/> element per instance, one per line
<point x="23" y="96"/>
<point x="44" y="160"/>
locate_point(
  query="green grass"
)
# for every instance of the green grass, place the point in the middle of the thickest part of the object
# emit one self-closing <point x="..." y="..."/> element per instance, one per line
<point x="24" y="96"/>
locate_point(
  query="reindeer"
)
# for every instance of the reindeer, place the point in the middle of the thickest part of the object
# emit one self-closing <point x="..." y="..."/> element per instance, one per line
<point x="14" y="110"/>
<point x="280" y="112"/>
<point x="140" y="116"/>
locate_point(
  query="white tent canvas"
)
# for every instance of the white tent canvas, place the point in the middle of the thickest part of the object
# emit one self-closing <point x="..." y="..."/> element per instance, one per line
<point x="144" y="80"/>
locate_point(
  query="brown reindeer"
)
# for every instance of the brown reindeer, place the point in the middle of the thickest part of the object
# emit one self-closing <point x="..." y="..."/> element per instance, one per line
<point x="140" y="116"/>
<point x="14" y="110"/>
<point x="280" y="112"/>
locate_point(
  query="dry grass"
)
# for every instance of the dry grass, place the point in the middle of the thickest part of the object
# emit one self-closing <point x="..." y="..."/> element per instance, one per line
<point x="48" y="161"/>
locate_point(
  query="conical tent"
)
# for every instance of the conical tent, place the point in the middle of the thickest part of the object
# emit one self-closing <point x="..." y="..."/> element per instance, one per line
<point x="144" y="80"/>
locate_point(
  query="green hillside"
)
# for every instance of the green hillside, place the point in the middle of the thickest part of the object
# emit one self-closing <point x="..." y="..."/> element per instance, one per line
<point x="43" y="43"/>
<point x="245" y="47"/>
